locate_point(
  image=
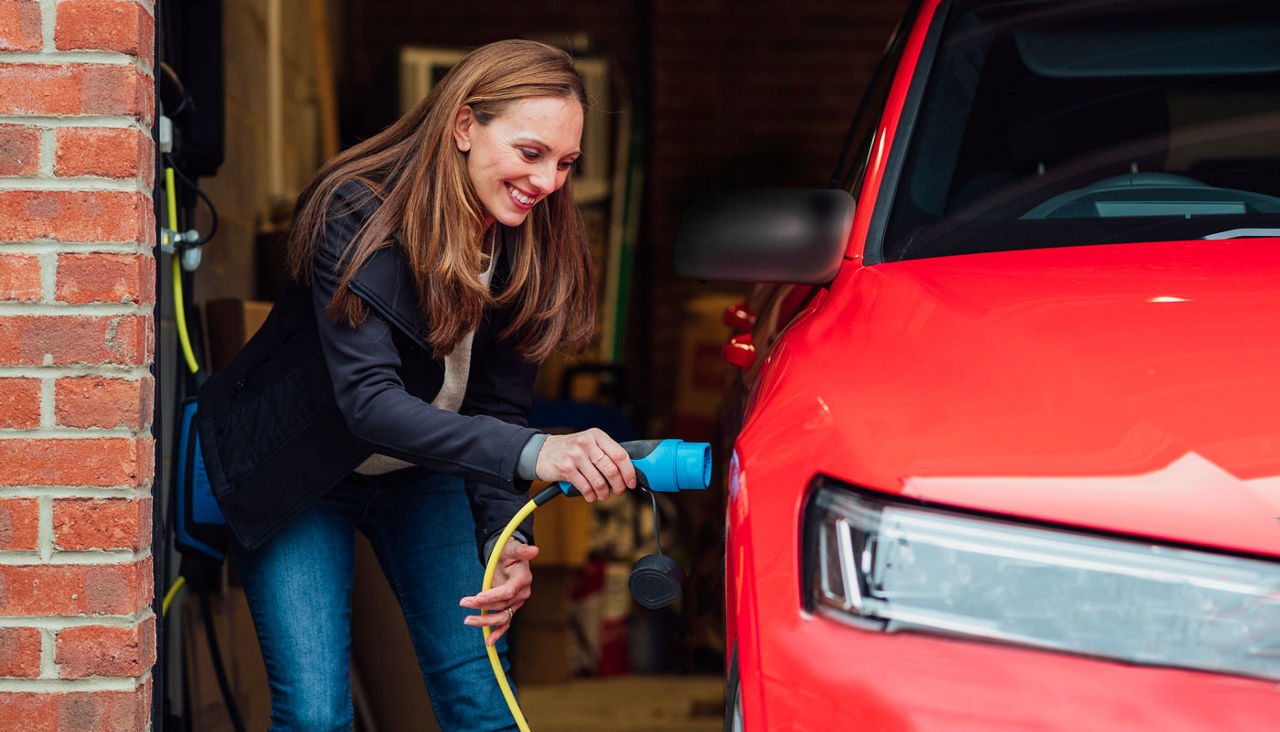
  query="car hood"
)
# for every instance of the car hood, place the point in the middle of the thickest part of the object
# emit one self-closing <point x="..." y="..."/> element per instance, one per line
<point x="1129" y="388"/>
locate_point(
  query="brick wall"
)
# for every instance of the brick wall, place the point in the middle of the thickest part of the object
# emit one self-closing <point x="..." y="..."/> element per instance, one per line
<point x="77" y="289"/>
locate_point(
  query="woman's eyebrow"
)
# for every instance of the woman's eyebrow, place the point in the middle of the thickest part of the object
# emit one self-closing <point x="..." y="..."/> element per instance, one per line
<point x="544" y="146"/>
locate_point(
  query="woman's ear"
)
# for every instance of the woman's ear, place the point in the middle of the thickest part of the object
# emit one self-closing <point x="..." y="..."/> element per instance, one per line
<point x="462" y="122"/>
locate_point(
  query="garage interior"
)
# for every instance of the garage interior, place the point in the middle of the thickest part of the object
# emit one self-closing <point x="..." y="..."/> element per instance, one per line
<point x="687" y="96"/>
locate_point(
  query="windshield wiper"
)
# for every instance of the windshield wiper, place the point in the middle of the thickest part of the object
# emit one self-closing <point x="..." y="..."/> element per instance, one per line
<point x="1243" y="233"/>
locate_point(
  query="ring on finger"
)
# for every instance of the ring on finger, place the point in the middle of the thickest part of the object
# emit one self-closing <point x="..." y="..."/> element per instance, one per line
<point x="511" y="613"/>
<point x="599" y="457"/>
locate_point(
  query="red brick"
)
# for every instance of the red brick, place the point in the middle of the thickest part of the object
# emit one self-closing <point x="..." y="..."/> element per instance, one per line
<point x="104" y="25"/>
<point x="81" y="524"/>
<point x="92" y="216"/>
<point x="20" y="652"/>
<point x="102" y="151"/>
<point x="19" y="277"/>
<point x="84" y="278"/>
<point x="19" y="403"/>
<point x="19" y="147"/>
<point x="100" y="650"/>
<point x="77" y="711"/>
<point x="93" y="401"/>
<point x="74" y="589"/>
<point x="76" y="89"/>
<point x="19" y="524"/>
<point x="25" y="340"/>
<point x="106" y="461"/>
<point x="20" y="26"/>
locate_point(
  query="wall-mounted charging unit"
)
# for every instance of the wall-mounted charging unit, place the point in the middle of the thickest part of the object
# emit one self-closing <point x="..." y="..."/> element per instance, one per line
<point x="199" y="525"/>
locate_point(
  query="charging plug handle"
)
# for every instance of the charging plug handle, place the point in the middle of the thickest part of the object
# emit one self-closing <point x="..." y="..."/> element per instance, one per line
<point x="665" y="466"/>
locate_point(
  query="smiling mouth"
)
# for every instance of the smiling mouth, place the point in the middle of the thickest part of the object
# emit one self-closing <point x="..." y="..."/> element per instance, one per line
<point x="521" y="199"/>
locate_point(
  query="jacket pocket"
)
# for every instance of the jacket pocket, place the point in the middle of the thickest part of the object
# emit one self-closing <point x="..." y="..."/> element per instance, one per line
<point x="268" y="408"/>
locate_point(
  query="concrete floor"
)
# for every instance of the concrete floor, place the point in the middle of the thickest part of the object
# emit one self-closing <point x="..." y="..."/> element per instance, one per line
<point x="627" y="704"/>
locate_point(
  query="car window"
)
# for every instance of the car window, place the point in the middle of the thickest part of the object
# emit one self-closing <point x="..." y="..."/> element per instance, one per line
<point x="856" y="153"/>
<point x="1051" y="123"/>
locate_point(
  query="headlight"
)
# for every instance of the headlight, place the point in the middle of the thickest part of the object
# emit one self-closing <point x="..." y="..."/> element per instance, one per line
<point x="901" y="567"/>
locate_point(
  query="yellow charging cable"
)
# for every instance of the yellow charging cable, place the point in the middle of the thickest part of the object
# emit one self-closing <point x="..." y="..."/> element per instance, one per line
<point x="172" y="593"/>
<point x="179" y="310"/>
<point x="489" y="569"/>
<point x="542" y="497"/>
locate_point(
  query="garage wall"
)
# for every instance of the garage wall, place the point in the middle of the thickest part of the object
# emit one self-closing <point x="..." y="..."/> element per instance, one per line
<point x="376" y="29"/>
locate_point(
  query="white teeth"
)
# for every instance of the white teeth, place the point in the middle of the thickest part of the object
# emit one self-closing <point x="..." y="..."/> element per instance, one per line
<point x="516" y="194"/>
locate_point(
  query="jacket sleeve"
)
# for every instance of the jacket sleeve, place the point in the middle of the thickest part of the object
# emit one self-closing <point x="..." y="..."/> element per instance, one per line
<point x="363" y="364"/>
<point x="500" y="384"/>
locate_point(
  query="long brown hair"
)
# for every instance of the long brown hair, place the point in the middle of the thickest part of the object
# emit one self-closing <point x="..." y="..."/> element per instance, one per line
<point x="430" y="208"/>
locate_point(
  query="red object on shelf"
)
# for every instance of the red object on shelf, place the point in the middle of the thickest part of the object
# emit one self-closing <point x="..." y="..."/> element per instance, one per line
<point x="738" y="317"/>
<point x="740" y="351"/>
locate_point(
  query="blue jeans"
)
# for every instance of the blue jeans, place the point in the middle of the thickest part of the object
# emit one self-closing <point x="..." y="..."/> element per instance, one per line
<point x="299" y="589"/>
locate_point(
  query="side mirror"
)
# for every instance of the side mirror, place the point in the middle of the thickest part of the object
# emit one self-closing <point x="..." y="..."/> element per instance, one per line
<point x="785" y="235"/>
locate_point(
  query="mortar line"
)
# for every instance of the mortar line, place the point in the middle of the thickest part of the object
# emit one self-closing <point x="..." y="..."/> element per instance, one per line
<point x="48" y="22"/>
<point x="48" y="403"/>
<point x="45" y="533"/>
<point x="62" y="686"/>
<point x="91" y="558"/>
<point x="95" y="309"/>
<point x="69" y="433"/>
<point x="48" y="151"/>
<point x="77" y="184"/>
<point x="55" y="492"/>
<point x="87" y="120"/>
<point x="55" y="57"/>
<point x="48" y="654"/>
<point x="111" y="371"/>
<point x="62" y="622"/>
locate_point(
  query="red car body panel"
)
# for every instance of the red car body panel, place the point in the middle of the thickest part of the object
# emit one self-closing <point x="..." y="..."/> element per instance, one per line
<point x="982" y="381"/>
<point x="1160" y="425"/>
<point x="1146" y="408"/>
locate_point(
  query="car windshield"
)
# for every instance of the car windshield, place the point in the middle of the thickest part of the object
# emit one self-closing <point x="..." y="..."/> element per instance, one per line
<point x="1047" y="123"/>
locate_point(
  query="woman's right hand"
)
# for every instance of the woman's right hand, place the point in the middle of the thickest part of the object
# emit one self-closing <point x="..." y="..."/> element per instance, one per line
<point x="589" y="460"/>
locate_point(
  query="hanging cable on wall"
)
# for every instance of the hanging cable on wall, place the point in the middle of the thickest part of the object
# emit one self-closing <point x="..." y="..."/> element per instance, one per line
<point x="185" y="248"/>
<point x="172" y="243"/>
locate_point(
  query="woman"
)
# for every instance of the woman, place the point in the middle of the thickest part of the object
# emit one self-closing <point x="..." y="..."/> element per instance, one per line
<point x="433" y="266"/>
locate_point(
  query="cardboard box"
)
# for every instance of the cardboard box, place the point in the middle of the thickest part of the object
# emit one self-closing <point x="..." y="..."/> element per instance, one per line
<point x="541" y="653"/>
<point x="241" y="658"/>
<point x="562" y="529"/>
<point x="229" y="323"/>
<point x="542" y="639"/>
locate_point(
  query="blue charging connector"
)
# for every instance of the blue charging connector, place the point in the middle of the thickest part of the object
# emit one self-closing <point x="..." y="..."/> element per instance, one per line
<point x="665" y="466"/>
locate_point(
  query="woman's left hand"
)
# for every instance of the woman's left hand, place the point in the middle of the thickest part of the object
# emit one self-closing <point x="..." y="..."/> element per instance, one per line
<point x="511" y="587"/>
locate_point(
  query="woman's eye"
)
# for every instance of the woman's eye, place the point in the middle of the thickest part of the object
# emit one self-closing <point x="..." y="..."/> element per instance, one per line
<point x="567" y="164"/>
<point x="530" y="155"/>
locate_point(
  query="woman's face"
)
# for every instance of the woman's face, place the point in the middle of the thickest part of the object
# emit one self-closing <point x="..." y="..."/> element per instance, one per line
<point x="522" y="155"/>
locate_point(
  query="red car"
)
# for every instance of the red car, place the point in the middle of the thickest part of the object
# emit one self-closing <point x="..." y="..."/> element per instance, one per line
<point x="1010" y="454"/>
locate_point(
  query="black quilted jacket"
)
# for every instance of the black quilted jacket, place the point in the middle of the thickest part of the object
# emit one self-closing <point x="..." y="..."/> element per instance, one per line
<point x="307" y="400"/>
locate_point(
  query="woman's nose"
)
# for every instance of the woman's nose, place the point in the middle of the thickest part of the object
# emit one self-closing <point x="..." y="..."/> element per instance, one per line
<point x="544" y="177"/>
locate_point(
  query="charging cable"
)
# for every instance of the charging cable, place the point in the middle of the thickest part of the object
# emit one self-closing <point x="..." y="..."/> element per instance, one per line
<point x="668" y="466"/>
<point x="491" y="566"/>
